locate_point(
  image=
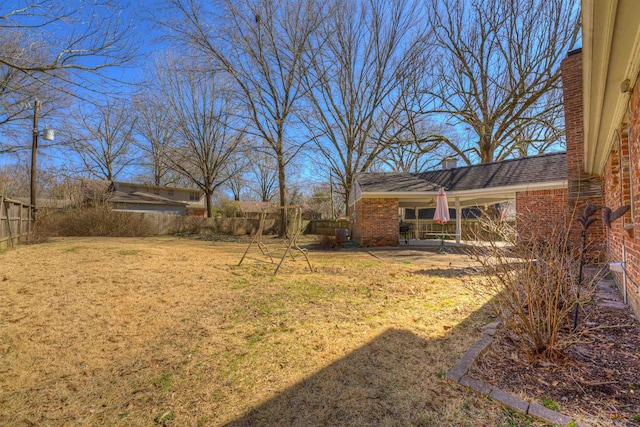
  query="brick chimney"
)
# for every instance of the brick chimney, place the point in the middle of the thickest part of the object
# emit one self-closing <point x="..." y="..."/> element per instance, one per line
<point x="583" y="188"/>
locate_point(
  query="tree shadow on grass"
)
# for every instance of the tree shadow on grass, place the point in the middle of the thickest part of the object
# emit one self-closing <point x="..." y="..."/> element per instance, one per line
<point x="395" y="379"/>
<point x="451" y="272"/>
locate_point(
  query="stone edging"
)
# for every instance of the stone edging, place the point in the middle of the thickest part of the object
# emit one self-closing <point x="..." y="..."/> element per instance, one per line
<point x="459" y="374"/>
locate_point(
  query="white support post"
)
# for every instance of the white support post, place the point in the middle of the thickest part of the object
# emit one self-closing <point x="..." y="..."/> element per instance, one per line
<point x="458" y="220"/>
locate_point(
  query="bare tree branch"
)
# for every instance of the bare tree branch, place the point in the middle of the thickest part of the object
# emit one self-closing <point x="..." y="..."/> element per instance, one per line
<point x="103" y="138"/>
<point x="260" y="44"/>
<point x="56" y="49"/>
<point x="497" y="72"/>
<point x="201" y="105"/>
<point x="354" y="85"/>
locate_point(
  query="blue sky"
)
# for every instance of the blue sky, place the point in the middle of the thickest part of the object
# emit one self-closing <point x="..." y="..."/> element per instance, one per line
<point x="148" y="42"/>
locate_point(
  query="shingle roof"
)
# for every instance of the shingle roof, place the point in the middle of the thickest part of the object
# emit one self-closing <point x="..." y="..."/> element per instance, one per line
<point x="528" y="170"/>
<point x="141" y="197"/>
<point x="106" y="190"/>
<point x="248" y="206"/>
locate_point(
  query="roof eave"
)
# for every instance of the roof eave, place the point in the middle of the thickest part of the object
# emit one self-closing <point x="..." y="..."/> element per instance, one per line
<point x="611" y="55"/>
<point x="148" y="202"/>
<point x="480" y="192"/>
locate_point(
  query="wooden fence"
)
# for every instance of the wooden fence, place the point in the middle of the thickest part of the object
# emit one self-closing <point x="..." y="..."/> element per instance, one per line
<point x="172" y="224"/>
<point x="16" y="222"/>
<point x="325" y="227"/>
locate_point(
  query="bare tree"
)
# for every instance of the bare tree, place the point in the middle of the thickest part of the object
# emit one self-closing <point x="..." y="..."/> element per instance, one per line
<point x="207" y="134"/>
<point x="355" y="82"/>
<point x="95" y="39"/>
<point x="17" y="93"/>
<point x="14" y="178"/>
<point x="155" y="129"/>
<point x="237" y="167"/>
<point x="260" y="44"/>
<point x="102" y="136"/>
<point x="497" y="72"/>
<point x="264" y="174"/>
<point x="405" y="158"/>
<point x="63" y="46"/>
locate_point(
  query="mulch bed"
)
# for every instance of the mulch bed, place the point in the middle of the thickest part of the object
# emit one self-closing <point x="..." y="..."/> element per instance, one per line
<point x="598" y="380"/>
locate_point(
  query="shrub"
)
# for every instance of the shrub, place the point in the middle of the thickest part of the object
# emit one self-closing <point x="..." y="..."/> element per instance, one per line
<point x="230" y="209"/>
<point x="195" y="225"/>
<point x="327" y="242"/>
<point x="98" y="220"/>
<point x="535" y="283"/>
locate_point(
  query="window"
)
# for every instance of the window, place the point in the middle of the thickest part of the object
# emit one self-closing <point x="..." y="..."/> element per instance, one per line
<point x="194" y="196"/>
<point x="170" y="193"/>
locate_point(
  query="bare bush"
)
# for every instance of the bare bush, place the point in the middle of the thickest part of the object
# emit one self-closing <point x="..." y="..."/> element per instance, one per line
<point x="99" y="220"/>
<point x="42" y="229"/>
<point x="535" y="281"/>
<point x="327" y="242"/>
<point x="194" y="225"/>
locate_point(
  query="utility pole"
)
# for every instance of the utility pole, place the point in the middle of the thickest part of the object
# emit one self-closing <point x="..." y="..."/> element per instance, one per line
<point x="34" y="150"/>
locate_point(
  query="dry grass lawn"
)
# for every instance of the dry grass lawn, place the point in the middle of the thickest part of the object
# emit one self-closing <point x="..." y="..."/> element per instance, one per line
<point x="168" y="331"/>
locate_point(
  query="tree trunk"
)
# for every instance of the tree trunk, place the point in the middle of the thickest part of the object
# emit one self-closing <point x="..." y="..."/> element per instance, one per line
<point x="347" y="196"/>
<point x="207" y="195"/>
<point x="488" y="148"/>
<point x="156" y="178"/>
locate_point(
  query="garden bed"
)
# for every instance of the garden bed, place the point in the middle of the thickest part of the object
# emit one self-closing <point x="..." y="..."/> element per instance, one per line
<point x="598" y="380"/>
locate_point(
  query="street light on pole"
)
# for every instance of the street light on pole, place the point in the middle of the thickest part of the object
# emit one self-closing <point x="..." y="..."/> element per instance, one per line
<point x="48" y="135"/>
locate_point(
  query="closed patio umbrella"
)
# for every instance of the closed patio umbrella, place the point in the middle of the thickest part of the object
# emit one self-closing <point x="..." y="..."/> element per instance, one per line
<point x="442" y="214"/>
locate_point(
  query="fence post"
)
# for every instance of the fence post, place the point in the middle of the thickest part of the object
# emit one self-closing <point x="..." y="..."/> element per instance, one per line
<point x="20" y="225"/>
<point x="1" y="214"/>
<point x="5" y="203"/>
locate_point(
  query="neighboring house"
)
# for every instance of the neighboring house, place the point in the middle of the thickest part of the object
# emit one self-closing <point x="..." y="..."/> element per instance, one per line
<point x="602" y="114"/>
<point x="310" y="214"/>
<point x="48" y="204"/>
<point x="253" y="210"/>
<point x="147" y="198"/>
<point x="194" y="199"/>
<point x="379" y="201"/>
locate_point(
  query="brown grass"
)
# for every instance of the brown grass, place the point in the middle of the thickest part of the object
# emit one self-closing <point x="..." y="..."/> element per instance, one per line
<point x="116" y="331"/>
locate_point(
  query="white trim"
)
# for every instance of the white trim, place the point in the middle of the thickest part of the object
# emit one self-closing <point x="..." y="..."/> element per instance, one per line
<point x="551" y="185"/>
<point x="611" y="54"/>
<point x="593" y="50"/>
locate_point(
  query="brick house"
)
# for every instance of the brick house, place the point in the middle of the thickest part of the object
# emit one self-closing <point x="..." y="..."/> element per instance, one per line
<point x="602" y="115"/>
<point x="601" y="85"/>
<point x="536" y="183"/>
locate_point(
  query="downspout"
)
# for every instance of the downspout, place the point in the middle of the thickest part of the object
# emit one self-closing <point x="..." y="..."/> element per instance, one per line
<point x="623" y="232"/>
<point x="631" y="199"/>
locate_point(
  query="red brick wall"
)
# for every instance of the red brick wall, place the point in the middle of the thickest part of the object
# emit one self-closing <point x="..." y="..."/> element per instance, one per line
<point x="583" y="188"/>
<point x="620" y="179"/>
<point x="534" y="207"/>
<point x="375" y="222"/>
<point x="617" y="191"/>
